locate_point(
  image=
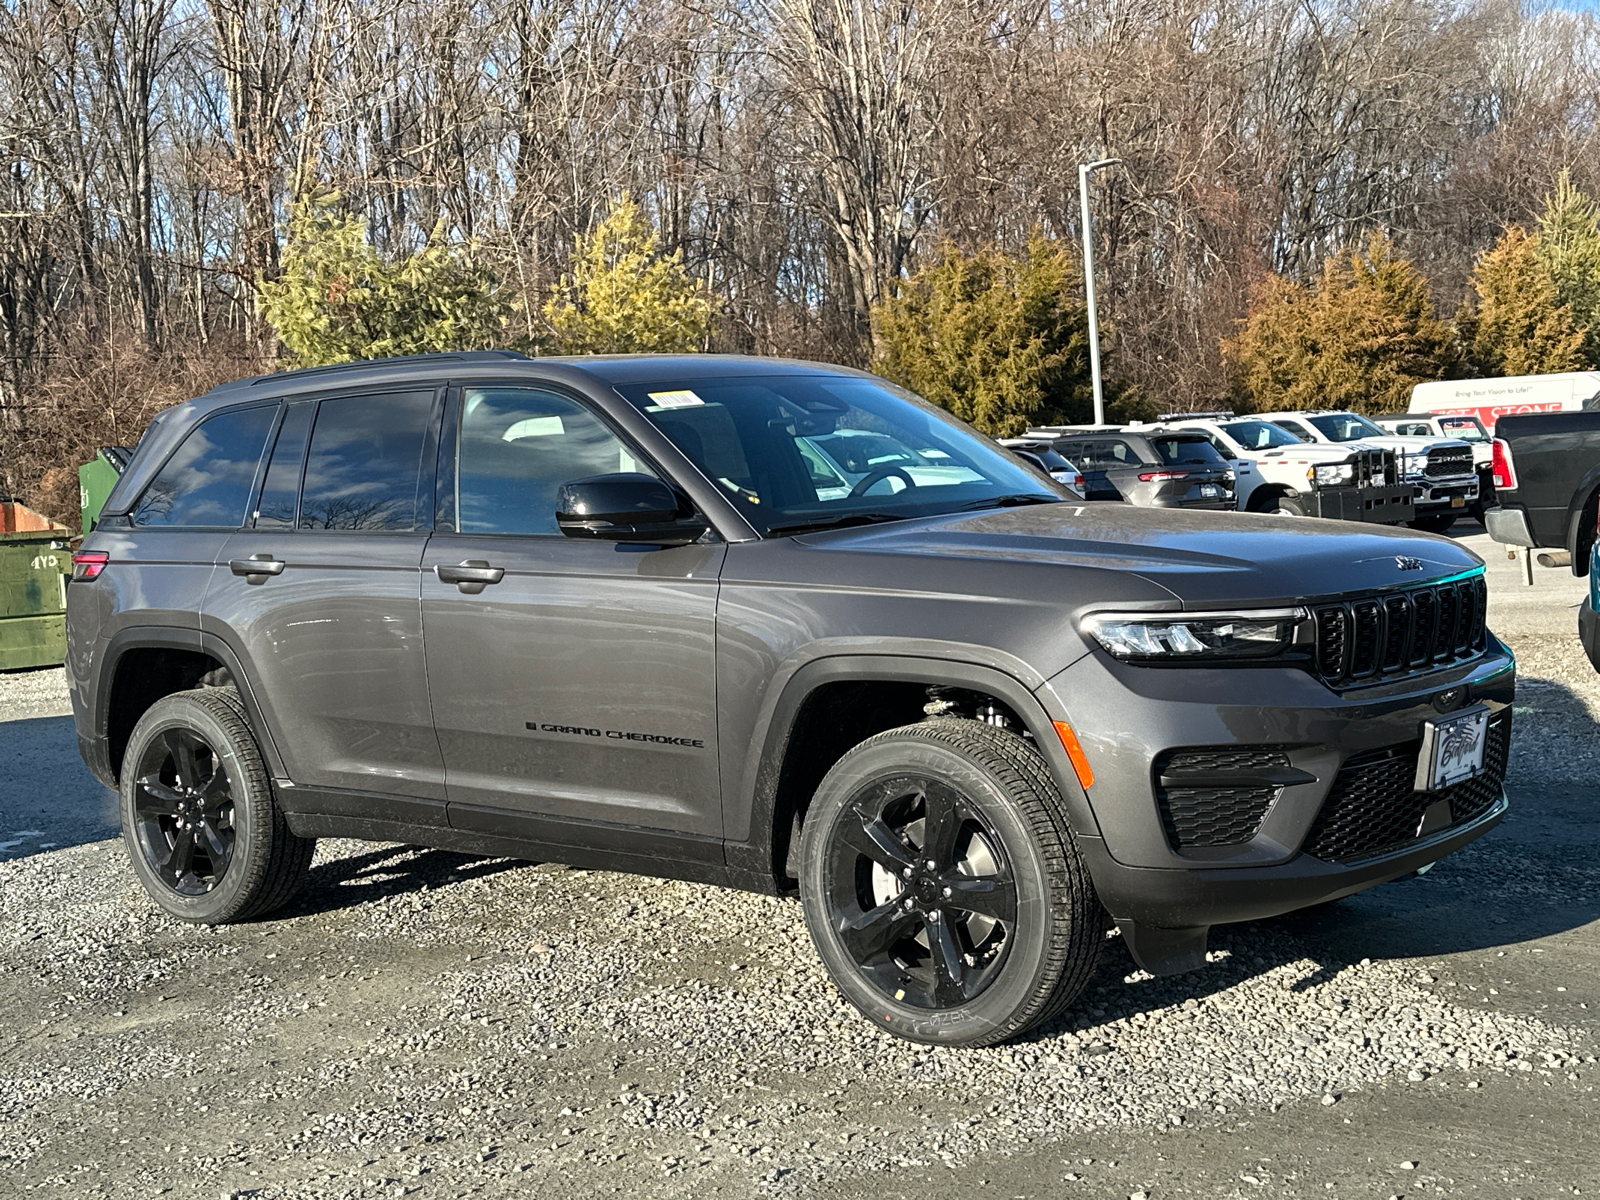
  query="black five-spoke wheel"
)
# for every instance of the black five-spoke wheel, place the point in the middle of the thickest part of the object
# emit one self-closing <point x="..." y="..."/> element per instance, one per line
<point x="199" y="814"/>
<point x="184" y="805"/>
<point x="943" y="887"/>
<point x="921" y="893"/>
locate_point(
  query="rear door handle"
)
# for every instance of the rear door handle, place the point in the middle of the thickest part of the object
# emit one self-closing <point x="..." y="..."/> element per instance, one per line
<point x="471" y="576"/>
<point x="256" y="568"/>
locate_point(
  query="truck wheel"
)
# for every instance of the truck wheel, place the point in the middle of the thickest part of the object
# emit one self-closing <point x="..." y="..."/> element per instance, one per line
<point x="943" y="888"/>
<point x="1290" y="506"/>
<point x="198" y="813"/>
<point x="1433" y="524"/>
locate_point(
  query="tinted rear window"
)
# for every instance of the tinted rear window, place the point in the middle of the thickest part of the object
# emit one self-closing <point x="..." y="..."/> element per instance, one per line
<point x="362" y="470"/>
<point x="1187" y="450"/>
<point x="207" y="480"/>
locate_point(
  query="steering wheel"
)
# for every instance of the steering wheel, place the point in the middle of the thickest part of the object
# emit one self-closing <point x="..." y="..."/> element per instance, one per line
<point x="878" y="475"/>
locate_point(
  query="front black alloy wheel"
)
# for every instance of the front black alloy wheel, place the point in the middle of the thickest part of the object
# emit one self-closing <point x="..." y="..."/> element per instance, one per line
<point x="942" y="885"/>
<point x="199" y="817"/>
<point x="920" y="892"/>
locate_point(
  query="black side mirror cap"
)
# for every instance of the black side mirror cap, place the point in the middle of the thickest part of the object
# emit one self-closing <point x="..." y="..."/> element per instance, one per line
<point x="626" y="507"/>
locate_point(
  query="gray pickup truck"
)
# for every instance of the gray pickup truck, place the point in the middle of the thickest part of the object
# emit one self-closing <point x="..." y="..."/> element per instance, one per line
<point x="625" y="613"/>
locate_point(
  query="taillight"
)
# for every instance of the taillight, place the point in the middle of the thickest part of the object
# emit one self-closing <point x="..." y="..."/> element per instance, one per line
<point x="87" y="564"/>
<point x="1161" y="476"/>
<point x="1079" y="484"/>
<point x="1505" y="471"/>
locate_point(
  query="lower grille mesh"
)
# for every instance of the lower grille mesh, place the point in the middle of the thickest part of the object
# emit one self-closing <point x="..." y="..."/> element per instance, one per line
<point x="1207" y="796"/>
<point x="1372" y="809"/>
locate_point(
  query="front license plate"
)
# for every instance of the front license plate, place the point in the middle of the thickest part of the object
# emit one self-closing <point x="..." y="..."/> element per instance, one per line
<point x="1210" y="490"/>
<point x="1458" y="501"/>
<point x="1452" y="749"/>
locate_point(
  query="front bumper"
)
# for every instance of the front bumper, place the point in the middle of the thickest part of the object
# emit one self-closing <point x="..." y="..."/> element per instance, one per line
<point x="1387" y="505"/>
<point x="1165" y="892"/>
<point x="1589" y="631"/>
<point x="1447" y="495"/>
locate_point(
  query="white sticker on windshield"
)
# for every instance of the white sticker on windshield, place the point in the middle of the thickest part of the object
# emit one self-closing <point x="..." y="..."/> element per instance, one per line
<point x="683" y="399"/>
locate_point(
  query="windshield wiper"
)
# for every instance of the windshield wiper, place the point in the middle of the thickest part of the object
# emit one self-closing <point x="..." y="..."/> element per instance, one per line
<point x="1015" y="500"/>
<point x="843" y="521"/>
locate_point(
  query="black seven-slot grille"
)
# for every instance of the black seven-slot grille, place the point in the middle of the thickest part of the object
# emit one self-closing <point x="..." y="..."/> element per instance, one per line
<point x="1371" y="808"/>
<point x="1384" y="637"/>
<point x="1217" y="795"/>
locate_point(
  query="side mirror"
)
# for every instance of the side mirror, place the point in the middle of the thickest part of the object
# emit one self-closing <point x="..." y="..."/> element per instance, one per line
<point x="625" y="508"/>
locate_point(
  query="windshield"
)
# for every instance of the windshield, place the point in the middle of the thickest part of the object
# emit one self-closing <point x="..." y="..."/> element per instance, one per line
<point x="1346" y="427"/>
<point x="818" y="449"/>
<point x="1187" y="450"/>
<point x="1259" y="435"/>
<point x="1466" y="428"/>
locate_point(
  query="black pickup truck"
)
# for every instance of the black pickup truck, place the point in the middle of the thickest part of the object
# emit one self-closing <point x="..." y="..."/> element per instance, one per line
<point x="1547" y="481"/>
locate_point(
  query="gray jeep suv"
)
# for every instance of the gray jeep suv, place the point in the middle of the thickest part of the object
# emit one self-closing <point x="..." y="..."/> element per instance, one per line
<point x="616" y="612"/>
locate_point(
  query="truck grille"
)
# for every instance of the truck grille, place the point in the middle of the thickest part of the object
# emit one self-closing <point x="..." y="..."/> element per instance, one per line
<point x="1379" y="638"/>
<point x="1448" y="461"/>
<point x="1207" y="796"/>
<point x="1371" y="808"/>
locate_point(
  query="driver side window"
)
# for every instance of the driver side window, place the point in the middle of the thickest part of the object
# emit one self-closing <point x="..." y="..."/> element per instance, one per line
<point x="517" y="447"/>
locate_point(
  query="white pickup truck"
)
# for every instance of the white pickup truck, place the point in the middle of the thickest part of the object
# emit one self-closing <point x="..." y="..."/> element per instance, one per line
<point x="1275" y="471"/>
<point x="1468" y="429"/>
<point x="1440" y="469"/>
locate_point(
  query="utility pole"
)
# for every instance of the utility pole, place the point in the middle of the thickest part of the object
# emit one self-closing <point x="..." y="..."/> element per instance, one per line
<point x="1084" y="170"/>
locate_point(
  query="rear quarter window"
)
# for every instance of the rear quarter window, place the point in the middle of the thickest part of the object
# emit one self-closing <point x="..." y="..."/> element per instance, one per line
<point x="207" y="481"/>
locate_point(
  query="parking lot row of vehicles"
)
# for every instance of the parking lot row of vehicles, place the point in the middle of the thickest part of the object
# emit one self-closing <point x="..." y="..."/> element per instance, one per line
<point x="1424" y="472"/>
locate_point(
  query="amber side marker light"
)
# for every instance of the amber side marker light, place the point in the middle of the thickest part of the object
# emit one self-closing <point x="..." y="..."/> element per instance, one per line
<point x="1079" y="760"/>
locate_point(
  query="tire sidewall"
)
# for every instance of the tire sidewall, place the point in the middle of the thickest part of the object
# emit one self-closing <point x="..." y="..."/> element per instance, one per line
<point x="1018" y="981"/>
<point x="233" y="894"/>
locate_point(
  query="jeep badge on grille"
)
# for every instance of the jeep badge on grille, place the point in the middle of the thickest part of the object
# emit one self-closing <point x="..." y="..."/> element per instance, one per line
<point x="1407" y="564"/>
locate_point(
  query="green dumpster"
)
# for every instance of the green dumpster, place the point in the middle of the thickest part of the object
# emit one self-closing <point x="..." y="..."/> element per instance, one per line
<point x="35" y="561"/>
<point x="96" y="478"/>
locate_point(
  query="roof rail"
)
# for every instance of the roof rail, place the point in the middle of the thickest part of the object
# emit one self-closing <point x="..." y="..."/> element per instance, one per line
<point x="415" y="360"/>
<point x="1225" y="414"/>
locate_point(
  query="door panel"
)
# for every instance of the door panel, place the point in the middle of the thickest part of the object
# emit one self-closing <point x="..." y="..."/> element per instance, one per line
<point x="570" y="679"/>
<point x="335" y="645"/>
<point x="580" y="685"/>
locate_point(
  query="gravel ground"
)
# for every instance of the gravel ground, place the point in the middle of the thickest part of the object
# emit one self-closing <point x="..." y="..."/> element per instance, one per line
<point x="431" y="1024"/>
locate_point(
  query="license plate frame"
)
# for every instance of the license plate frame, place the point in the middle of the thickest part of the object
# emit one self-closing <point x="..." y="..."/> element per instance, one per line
<point x="1452" y="748"/>
<point x="1458" y="501"/>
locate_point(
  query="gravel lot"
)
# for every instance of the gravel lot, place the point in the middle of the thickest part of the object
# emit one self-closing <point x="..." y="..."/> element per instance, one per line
<point x="423" y="1023"/>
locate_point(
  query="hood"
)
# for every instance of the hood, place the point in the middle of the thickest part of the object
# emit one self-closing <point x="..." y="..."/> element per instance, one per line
<point x="1317" y="452"/>
<point x="1204" y="559"/>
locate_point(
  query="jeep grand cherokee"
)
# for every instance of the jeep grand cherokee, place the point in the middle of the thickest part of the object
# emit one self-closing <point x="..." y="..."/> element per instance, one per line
<point x="610" y="612"/>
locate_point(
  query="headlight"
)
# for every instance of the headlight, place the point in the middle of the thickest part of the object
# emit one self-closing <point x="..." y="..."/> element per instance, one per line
<point x="1180" y="637"/>
<point x="1336" y="474"/>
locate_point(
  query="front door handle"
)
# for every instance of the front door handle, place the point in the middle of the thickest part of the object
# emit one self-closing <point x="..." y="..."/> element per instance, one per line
<point x="471" y="576"/>
<point x="256" y="568"/>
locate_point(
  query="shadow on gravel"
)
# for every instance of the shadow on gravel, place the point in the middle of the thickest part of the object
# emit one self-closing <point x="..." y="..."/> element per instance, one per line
<point x="387" y="871"/>
<point x="1536" y="874"/>
<point x="48" y="799"/>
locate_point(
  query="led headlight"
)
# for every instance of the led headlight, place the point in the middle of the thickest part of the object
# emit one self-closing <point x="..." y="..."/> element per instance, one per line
<point x="1181" y="637"/>
<point x="1336" y="474"/>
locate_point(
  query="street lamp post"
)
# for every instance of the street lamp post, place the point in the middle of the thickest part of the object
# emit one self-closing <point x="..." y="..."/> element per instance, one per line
<point x="1084" y="170"/>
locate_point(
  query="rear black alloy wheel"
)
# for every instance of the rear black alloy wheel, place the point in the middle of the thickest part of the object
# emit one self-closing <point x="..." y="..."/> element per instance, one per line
<point x="183" y="808"/>
<point x="199" y="817"/>
<point x="942" y="886"/>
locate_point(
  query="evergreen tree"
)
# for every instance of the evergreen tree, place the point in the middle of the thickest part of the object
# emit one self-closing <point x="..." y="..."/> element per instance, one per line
<point x="1000" y="342"/>
<point x="624" y="296"/>
<point x="1569" y="245"/>
<point x="338" y="300"/>
<point x="1520" y="326"/>
<point x="1360" y="338"/>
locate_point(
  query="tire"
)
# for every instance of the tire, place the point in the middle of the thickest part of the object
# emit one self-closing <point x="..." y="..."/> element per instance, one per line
<point x="210" y="846"/>
<point x="1434" y="524"/>
<point x="943" y="972"/>
<point x="1290" y="506"/>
